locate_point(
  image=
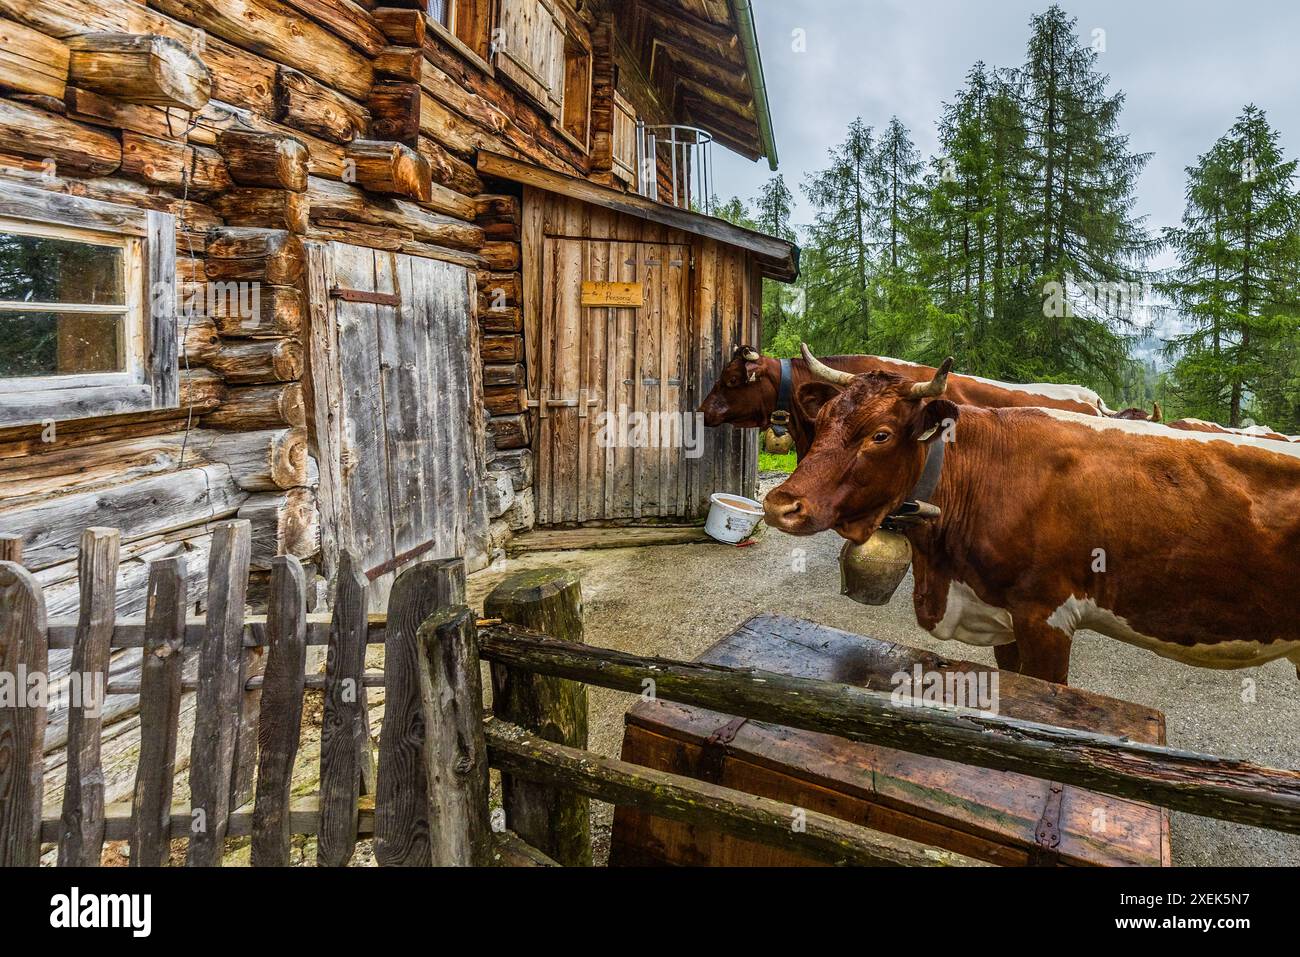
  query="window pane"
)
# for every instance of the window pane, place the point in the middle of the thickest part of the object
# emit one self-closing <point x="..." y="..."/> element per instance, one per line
<point x="438" y="9"/>
<point x="46" y="343"/>
<point x="40" y="269"/>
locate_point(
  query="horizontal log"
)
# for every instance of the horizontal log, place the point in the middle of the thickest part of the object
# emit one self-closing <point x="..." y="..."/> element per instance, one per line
<point x="143" y="69"/>
<point x="259" y="407"/>
<point x="248" y="310"/>
<point x="87" y="106"/>
<point x="386" y="167"/>
<point x="497" y="374"/>
<point x="272" y="160"/>
<point x="31" y="62"/>
<point x="509" y="431"/>
<point x="497" y="290"/>
<point x="271" y="208"/>
<point x="331" y="200"/>
<point x="239" y="76"/>
<point x="450" y="171"/>
<point x="497" y="207"/>
<point x="402" y="27"/>
<point x="169" y="163"/>
<point x="389" y="238"/>
<point x="201" y="390"/>
<point x="463" y="102"/>
<point x="283" y="523"/>
<point x="395" y="112"/>
<point x="324" y="157"/>
<point x="400" y="64"/>
<point x="504" y="399"/>
<point x="508" y="320"/>
<point x="345" y="20"/>
<point x="258" y="361"/>
<point x="501" y="348"/>
<point x="258" y="462"/>
<point x="199" y="340"/>
<point x="50" y="529"/>
<point x="273" y="255"/>
<point x="277" y="32"/>
<point x="304" y="104"/>
<point x="501" y="256"/>
<point x="68" y="18"/>
<point x="443" y="253"/>
<point x="1181" y="780"/>
<point x="28" y="131"/>
<point x="822" y="837"/>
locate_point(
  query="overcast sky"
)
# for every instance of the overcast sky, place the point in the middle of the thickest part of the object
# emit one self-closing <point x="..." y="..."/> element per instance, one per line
<point x="1187" y="69"/>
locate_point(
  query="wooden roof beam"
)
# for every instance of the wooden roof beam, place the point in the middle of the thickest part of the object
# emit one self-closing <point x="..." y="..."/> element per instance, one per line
<point x="673" y="15"/>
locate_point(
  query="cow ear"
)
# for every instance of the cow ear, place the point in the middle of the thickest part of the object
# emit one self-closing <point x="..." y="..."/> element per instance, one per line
<point x="812" y="396"/>
<point x="934" y="416"/>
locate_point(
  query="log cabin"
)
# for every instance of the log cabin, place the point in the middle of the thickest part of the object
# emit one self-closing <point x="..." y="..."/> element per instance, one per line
<point x="372" y="274"/>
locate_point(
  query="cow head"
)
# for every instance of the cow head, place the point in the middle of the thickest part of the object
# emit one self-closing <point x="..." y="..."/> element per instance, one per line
<point x="742" y="395"/>
<point x="872" y="432"/>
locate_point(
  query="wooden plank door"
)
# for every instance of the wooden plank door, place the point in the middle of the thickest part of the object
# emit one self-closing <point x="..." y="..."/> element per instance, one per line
<point x="394" y="411"/>
<point x="612" y="383"/>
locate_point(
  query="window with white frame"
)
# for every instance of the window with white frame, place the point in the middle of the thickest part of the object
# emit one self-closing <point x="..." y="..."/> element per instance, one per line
<point x="87" y="307"/>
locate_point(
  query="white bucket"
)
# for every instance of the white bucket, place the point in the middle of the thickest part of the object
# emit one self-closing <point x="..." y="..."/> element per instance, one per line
<point x="732" y="517"/>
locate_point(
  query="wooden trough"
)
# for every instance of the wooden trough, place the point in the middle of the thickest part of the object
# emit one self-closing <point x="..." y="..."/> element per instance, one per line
<point x="996" y="816"/>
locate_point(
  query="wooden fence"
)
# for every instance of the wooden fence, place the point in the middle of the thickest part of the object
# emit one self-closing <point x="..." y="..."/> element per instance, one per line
<point x="427" y="802"/>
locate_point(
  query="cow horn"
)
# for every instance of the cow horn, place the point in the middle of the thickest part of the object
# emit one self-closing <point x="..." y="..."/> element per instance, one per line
<point x="750" y="355"/>
<point x="925" y="390"/>
<point x="822" y="371"/>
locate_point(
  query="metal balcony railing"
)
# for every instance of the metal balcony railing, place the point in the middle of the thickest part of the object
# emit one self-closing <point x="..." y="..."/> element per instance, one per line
<point x="686" y="153"/>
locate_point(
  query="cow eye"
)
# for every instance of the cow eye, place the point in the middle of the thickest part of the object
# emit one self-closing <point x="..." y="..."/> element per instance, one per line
<point x="881" y="436"/>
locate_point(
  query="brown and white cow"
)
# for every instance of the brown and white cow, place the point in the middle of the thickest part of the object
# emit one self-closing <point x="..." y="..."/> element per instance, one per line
<point x="745" y="394"/>
<point x="1184" y="543"/>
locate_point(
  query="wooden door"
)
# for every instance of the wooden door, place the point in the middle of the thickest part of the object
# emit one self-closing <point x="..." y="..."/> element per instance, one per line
<point x="612" y="383"/>
<point x="396" y="423"/>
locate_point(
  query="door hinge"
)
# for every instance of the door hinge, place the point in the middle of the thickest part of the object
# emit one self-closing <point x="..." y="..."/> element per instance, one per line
<point x="361" y="295"/>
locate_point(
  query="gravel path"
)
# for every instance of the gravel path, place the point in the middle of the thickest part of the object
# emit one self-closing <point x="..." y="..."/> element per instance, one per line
<point x="676" y="600"/>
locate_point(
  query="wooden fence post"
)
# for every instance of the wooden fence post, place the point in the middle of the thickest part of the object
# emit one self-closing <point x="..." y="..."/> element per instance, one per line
<point x="281" y="712"/>
<point x="81" y="826"/>
<point x="219" y="696"/>
<point x="343" y="725"/>
<point x="401" y="798"/>
<point x="160" y="704"/>
<point x="554" y="820"/>
<point x="23" y="647"/>
<point x="454" y="753"/>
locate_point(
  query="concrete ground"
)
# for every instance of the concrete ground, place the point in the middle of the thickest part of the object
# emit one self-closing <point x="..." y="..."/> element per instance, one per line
<point x="676" y="600"/>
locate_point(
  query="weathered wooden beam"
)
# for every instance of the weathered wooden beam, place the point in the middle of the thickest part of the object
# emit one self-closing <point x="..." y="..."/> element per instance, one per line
<point x="31" y="62"/>
<point x="555" y="821"/>
<point x="279" y="33"/>
<point x="1183" y="781"/>
<point x="400" y="64"/>
<point x="454" y="754"/>
<point x="28" y="131"/>
<point x="235" y="252"/>
<point x="175" y="165"/>
<point x="258" y="361"/>
<point x="390" y="168"/>
<point x="269" y="208"/>
<point x="259" y="407"/>
<point x="139" y="68"/>
<point x="283" y="523"/>
<point x="346" y="20"/>
<point x="525" y="754"/>
<point x="331" y="200"/>
<point x="309" y="106"/>
<point x="402" y="27"/>
<point x="272" y="160"/>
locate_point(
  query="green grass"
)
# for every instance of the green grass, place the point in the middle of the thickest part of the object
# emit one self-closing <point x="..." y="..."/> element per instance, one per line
<point x="768" y="462"/>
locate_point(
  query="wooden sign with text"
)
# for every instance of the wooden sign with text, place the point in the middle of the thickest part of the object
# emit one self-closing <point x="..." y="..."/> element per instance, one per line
<point x="613" y="294"/>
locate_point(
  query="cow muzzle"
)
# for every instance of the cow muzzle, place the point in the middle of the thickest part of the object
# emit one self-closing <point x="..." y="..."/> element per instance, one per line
<point x="789" y="513"/>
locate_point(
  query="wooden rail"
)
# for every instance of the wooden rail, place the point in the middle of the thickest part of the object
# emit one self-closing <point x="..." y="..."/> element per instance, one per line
<point x="1182" y="780"/>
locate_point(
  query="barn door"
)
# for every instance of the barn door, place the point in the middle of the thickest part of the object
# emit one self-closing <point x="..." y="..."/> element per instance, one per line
<point x="612" y="381"/>
<point x="395" y="420"/>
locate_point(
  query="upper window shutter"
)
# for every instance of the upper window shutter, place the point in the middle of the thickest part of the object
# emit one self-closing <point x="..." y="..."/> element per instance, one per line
<point x="531" y="50"/>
